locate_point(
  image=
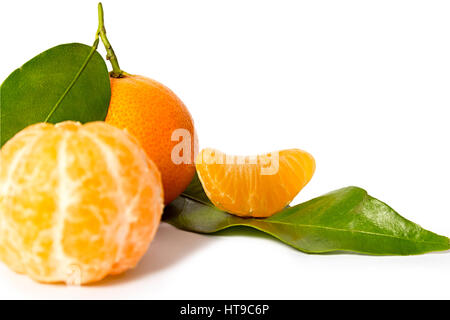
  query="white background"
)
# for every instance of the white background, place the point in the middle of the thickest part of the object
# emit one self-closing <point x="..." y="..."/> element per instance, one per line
<point x="362" y="85"/>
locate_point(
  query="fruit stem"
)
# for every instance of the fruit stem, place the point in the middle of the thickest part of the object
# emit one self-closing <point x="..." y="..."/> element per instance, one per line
<point x="110" y="55"/>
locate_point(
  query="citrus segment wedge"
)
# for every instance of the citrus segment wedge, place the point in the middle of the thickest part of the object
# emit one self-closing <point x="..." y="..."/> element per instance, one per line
<point x="254" y="186"/>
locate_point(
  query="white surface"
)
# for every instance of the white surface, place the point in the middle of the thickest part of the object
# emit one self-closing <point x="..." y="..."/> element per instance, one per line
<point x="362" y="85"/>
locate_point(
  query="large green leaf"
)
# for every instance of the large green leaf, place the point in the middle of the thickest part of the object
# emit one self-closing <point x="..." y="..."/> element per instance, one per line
<point x="67" y="82"/>
<point x="347" y="219"/>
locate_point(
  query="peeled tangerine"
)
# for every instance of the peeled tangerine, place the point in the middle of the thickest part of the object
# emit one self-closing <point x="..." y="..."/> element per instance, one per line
<point x="77" y="202"/>
<point x="257" y="186"/>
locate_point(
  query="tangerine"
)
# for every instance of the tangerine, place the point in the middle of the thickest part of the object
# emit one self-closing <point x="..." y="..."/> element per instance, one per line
<point x="158" y="119"/>
<point x="77" y="202"/>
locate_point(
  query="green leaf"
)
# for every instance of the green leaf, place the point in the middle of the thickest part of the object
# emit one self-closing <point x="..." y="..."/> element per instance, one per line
<point x="347" y="219"/>
<point x="67" y="82"/>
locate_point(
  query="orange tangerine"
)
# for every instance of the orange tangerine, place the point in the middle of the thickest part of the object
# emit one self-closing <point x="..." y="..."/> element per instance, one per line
<point x="254" y="186"/>
<point x="155" y="115"/>
<point x="77" y="202"/>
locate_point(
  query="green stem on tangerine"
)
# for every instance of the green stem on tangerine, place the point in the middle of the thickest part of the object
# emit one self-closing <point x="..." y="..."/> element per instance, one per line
<point x="110" y="55"/>
<point x="74" y="80"/>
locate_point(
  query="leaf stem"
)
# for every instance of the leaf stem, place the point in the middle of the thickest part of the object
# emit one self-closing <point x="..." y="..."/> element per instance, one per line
<point x="110" y="55"/>
<point x="74" y="80"/>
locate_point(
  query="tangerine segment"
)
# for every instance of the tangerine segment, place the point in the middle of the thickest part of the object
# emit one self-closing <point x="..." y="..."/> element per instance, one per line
<point x="254" y="186"/>
<point x="77" y="202"/>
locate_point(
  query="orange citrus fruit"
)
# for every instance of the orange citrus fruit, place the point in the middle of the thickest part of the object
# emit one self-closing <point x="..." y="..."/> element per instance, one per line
<point x="160" y="121"/>
<point x="257" y="186"/>
<point x="77" y="202"/>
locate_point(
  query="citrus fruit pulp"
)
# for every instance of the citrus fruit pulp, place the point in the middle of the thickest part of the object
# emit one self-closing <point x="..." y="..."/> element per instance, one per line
<point x="257" y="186"/>
<point x="77" y="202"/>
